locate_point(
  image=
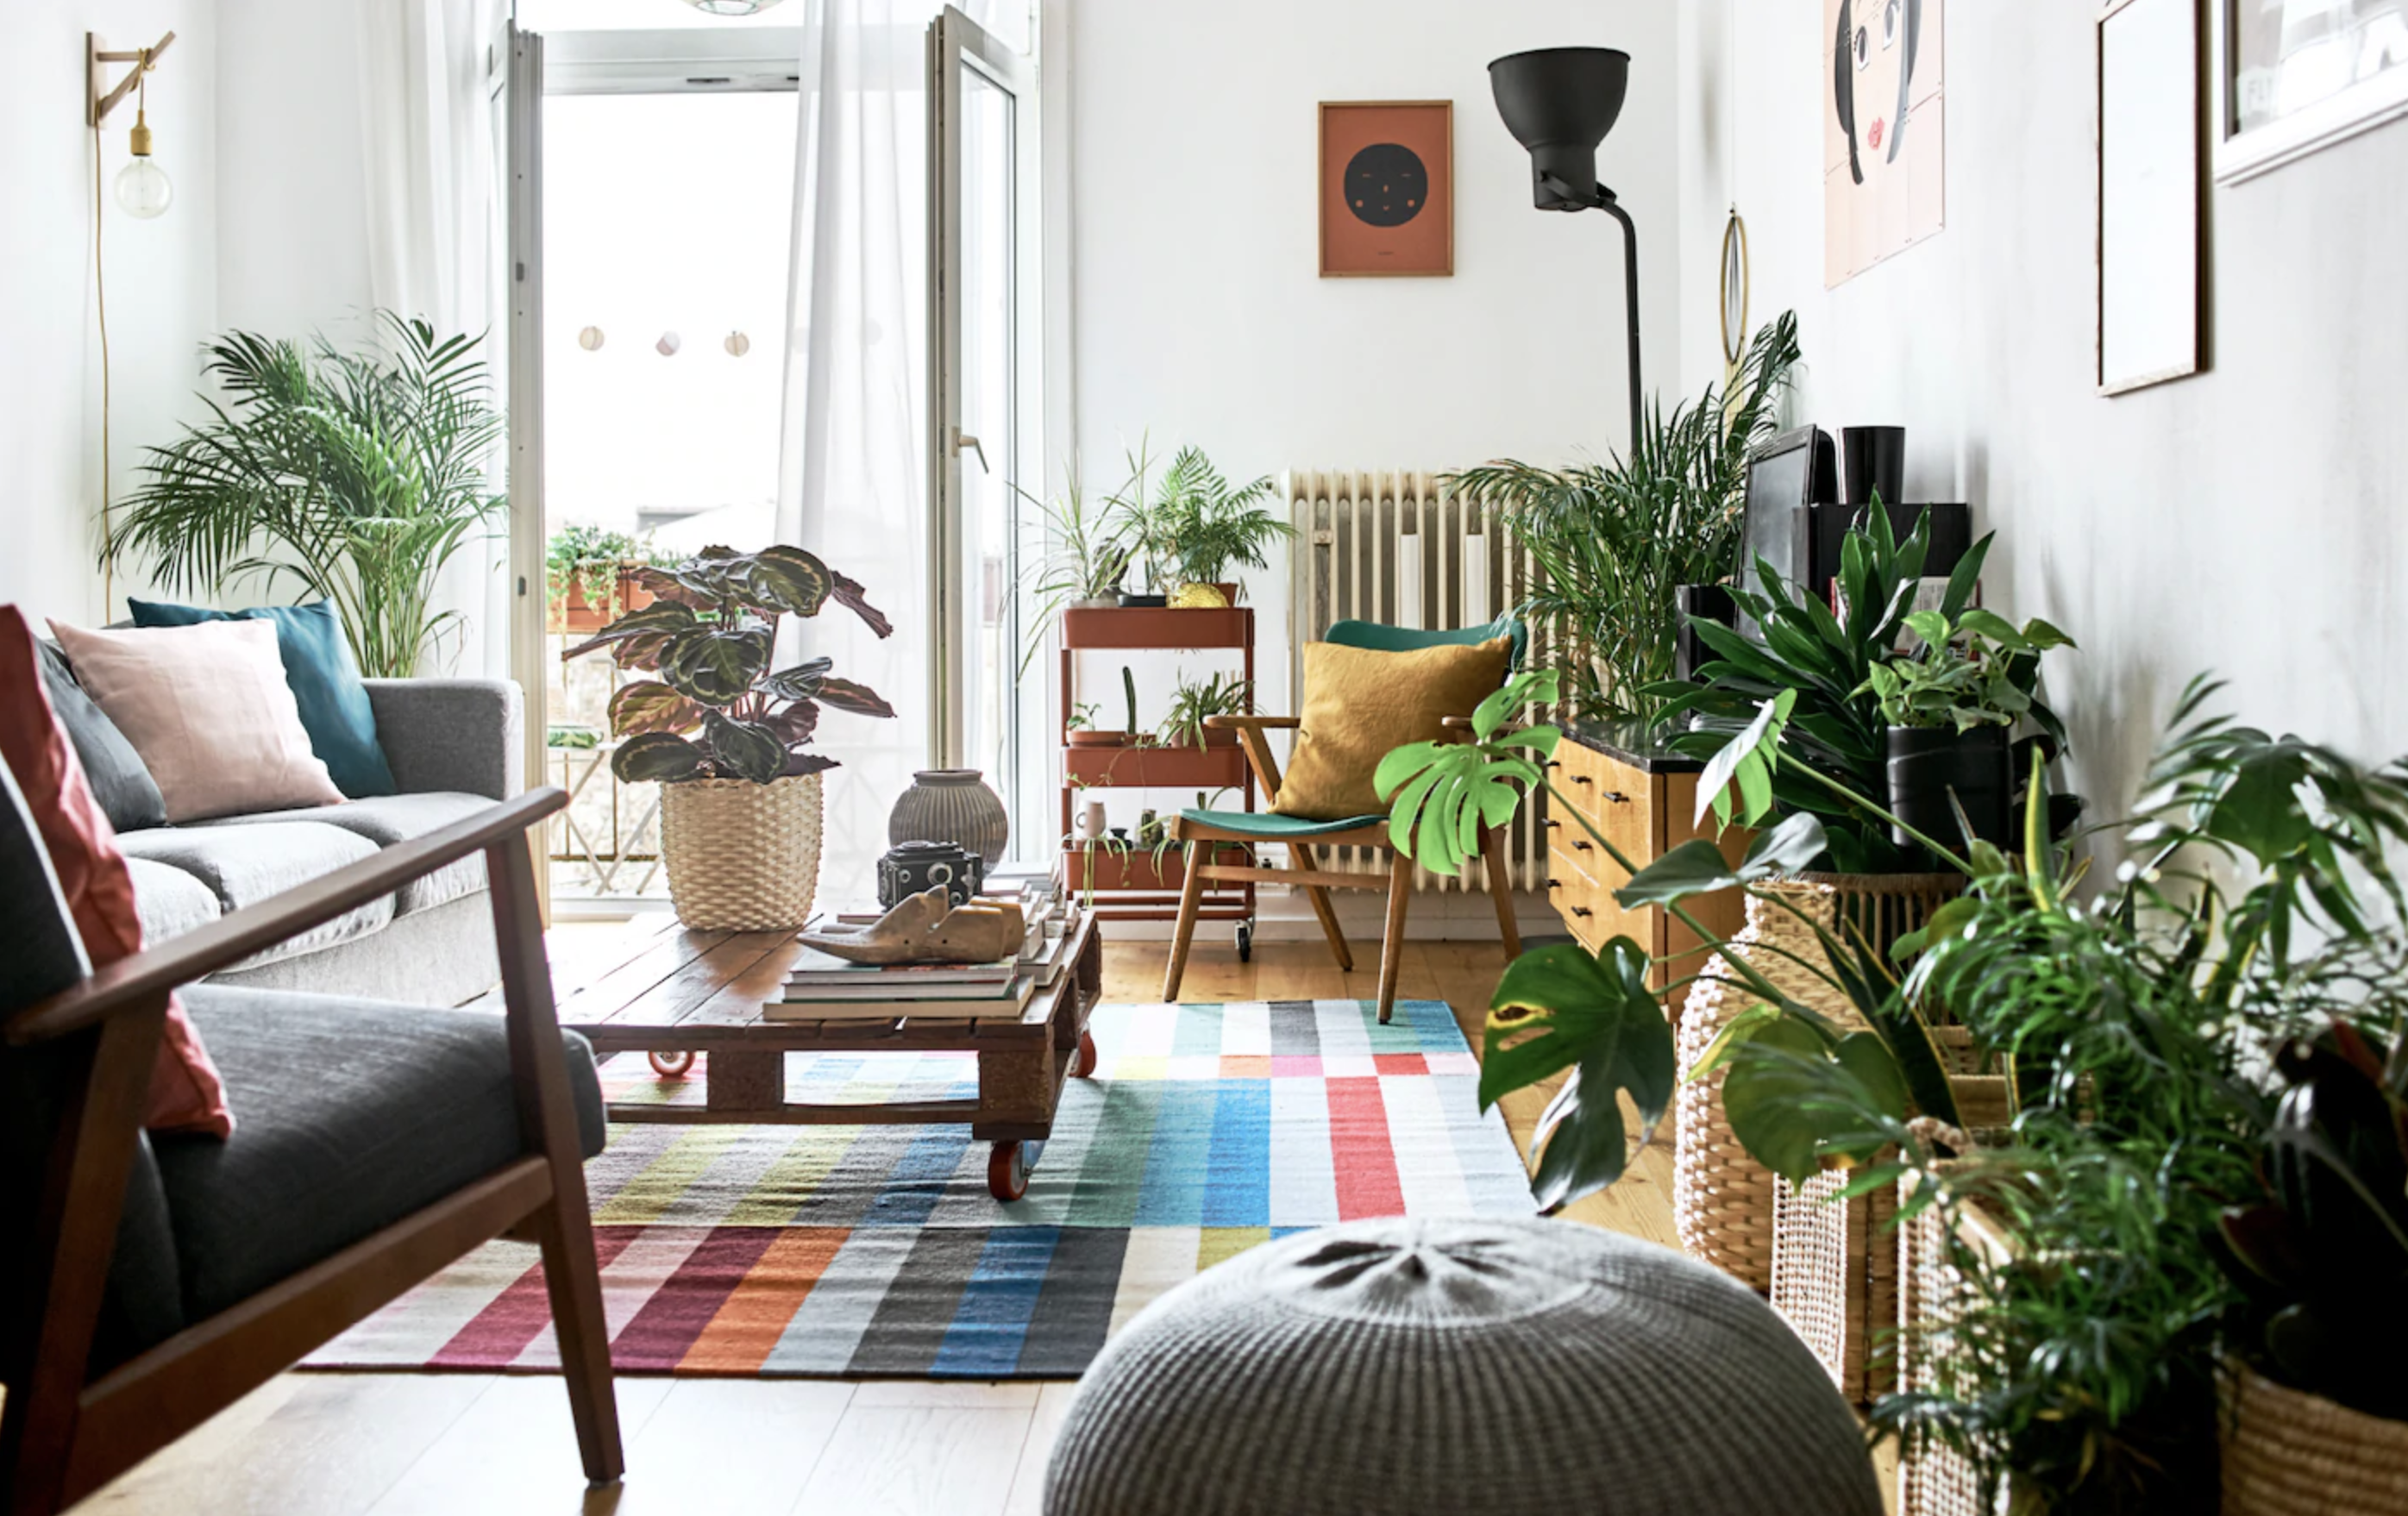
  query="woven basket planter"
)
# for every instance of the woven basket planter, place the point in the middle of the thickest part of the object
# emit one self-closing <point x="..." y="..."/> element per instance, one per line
<point x="1721" y="1198"/>
<point x="742" y="857"/>
<point x="1835" y="1278"/>
<point x="1932" y="1481"/>
<point x="2289" y="1453"/>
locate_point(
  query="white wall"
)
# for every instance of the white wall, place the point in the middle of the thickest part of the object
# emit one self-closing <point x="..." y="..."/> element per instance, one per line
<point x="2245" y="521"/>
<point x="161" y="280"/>
<point x="1200" y="316"/>
<point x="292" y="203"/>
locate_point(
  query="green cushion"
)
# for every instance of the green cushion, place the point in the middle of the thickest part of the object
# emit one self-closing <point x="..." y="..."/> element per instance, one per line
<point x="1382" y="638"/>
<point x="1264" y="826"/>
<point x="335" y="709"/>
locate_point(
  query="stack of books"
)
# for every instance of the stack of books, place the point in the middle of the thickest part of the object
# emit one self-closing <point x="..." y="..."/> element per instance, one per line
<point x="822" y="988"/>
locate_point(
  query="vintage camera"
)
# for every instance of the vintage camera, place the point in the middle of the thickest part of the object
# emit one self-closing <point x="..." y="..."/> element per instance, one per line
<point x="912" y="868"/>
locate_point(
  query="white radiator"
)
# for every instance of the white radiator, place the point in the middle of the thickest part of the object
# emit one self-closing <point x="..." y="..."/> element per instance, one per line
<point x="1399" y="547"/>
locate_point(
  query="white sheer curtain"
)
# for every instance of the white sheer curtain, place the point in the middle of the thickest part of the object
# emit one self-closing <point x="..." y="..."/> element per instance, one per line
<point x="429" y="174"/>
<point x="853" y="469"/>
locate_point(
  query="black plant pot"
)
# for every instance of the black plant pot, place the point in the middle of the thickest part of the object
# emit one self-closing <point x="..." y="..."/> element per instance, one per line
<point x="1144" y="602"/>
<point x="1929" y="765"/>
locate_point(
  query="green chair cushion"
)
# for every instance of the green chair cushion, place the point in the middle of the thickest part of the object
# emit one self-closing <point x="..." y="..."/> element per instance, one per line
<point x="1379" y="637"/>
<point x="1263" y="826"/>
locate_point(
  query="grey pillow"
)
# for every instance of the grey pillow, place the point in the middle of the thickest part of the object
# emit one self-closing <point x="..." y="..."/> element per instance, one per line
<point x="121" y="782"/>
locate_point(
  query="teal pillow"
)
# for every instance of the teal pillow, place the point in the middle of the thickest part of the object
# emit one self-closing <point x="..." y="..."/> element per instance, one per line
<point x="335" y="708"/>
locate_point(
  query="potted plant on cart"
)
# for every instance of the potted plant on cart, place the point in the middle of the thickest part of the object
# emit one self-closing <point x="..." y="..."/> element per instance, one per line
<point x="728" y="737"/>
<point x="589" y="577"/>
<point x="1085" y="562"/>
<point x="1198" y="526"/>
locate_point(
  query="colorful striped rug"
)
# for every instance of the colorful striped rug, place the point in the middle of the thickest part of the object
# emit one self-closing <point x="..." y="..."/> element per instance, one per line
<point x="877" y="1251"/>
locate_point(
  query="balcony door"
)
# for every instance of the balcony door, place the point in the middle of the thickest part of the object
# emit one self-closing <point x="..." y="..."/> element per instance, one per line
<point x="986" y="411"/>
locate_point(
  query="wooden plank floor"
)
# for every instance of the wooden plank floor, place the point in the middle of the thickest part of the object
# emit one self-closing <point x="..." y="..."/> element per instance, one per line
<point x="462" y="1445"/>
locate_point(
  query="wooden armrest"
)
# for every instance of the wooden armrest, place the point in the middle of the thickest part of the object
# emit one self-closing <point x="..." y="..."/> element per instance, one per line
<point x="142" y="979"/>
<point x="1256" y="723"/>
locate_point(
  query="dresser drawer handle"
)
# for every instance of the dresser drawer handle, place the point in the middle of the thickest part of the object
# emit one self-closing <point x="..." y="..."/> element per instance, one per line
<point x="1583" y="845"/>
<point x="1551" y="823"/>
<point x="1615" y="797"/>
<point x="1584" y="778"/>
<point x="1555" y="763"/>
<point x="1555" y="884"/>
<point x="1583" y="910"/>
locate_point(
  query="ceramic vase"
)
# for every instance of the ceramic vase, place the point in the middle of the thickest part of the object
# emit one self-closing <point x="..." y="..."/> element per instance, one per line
<point x="951" y="805"/>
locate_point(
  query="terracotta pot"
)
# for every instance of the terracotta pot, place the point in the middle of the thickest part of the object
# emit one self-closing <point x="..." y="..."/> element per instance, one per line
<point x="580" y="617"/>
<point x="1086" y="738"/>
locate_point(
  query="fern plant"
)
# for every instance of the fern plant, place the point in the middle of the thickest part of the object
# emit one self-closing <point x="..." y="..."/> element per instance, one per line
<point x="1613" y="542"/>
<point x="357" y="475"/>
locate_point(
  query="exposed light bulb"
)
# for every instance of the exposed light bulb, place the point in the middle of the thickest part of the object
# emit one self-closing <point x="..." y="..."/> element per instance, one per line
<point x="731" y="7"/>
<point x="143" y="189"/>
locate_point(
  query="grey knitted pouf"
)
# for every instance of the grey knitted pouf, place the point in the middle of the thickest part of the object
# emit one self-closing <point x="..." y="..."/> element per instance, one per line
<point x="1457" y="1367"/>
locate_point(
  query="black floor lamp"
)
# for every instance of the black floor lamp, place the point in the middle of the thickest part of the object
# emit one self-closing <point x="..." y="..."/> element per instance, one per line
<point x="1560" y="102"/>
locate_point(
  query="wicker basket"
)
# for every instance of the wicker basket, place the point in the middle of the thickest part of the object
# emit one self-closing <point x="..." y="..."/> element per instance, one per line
<point x="1721" y="1198"/>
<point x="2289" y="1453"/>
<point x="1932" y="1481"/>
<point x="742" y="857"/>
<point x="1835" y="1278"/>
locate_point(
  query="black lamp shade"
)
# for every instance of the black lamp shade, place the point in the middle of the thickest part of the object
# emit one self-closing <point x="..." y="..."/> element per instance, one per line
<point x="1560" y="102"/>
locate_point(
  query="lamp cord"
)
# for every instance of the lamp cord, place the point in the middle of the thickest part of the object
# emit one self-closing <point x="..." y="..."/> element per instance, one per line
<point x="100" y="300"/>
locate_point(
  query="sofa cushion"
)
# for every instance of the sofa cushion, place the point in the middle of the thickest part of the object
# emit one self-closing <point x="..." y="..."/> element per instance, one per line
<point x="169" y="901"/>
<point x="355" y="1113"/>
<point x="244" y="866"/>
<point x="398" y="818"/>
<point x="128" y="795"/>
<point x="324" y="679"/>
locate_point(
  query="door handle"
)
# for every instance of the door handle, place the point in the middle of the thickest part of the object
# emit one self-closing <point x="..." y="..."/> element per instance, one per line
<point x="963" y="439"/>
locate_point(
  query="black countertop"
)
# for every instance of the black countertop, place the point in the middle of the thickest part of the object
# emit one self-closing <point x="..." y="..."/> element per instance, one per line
<point x="1630" y="742"/>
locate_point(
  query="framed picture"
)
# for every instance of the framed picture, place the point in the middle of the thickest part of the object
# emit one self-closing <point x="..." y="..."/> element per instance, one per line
<point x="2151" y="255"/>
<point x="1387" y="188"/>
<point x="1884" y="131"/>
<point x="2293" y="75"/>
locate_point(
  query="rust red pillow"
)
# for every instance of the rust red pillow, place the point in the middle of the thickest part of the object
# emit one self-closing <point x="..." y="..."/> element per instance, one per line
<point x="186" y="1093"/>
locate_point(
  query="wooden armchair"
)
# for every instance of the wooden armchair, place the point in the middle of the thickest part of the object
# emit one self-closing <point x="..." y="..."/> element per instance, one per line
<point x="1203" y="831"/>
<point x="150" y="1283"/>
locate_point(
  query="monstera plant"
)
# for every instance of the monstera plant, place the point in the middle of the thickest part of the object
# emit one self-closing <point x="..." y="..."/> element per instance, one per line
<point x="727" y="735"/>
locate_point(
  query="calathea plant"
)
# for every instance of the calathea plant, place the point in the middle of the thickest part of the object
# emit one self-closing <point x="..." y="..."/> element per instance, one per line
<point x="715" y="710"/>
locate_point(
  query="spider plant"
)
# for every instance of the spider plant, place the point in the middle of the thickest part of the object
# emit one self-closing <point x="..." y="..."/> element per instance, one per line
<point x="1194" y="701"/>
<point x="1085" y="557"/>
<point x="1613" y="542"/>
<point x="357" y="475"/>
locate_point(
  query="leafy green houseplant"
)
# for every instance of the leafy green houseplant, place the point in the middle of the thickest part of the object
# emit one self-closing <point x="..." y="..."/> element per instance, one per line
<point x="587" y="576"/>
<point x="1613" y="542"/>
<point x="727" y="735"/>
<point x="1083" y="564"/>
<point x="1951" y="705"/>
<point x="359" y="476"/>
<point x="1197" y="526"/>
<point x="2160" y="1204"/>
<point x="1197" y="701"/>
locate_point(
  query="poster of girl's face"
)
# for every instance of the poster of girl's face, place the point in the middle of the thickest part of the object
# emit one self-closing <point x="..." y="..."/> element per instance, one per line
<point x="1884" y="136"/>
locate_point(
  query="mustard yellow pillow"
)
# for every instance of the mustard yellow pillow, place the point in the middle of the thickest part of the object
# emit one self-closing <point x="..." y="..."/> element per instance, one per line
<point x="1359" y="704"/>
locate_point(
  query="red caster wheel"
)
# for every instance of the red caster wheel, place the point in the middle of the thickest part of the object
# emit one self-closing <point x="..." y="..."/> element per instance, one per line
<point x="671" y="1066"/>
<point x="1088" y="1057"/>
<point x="1007" y="1171"/>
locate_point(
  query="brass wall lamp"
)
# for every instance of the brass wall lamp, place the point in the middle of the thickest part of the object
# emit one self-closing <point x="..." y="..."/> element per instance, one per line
<point x="143" y="188"/>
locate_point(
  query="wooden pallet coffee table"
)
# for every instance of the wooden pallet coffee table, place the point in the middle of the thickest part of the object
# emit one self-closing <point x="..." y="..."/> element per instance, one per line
<point x="673" y="992"/>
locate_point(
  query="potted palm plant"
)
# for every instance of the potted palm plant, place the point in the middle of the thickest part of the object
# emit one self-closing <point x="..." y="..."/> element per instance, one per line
<point x="1198" y="526"/>
<point x="357" y="475"/>
<point x="726" y="736"/>
<point x="1613" y="542"/>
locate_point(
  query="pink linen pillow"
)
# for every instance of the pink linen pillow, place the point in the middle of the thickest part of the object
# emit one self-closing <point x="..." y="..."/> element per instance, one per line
<point x="209" y="710"/>
<point x="186" y="1093"/>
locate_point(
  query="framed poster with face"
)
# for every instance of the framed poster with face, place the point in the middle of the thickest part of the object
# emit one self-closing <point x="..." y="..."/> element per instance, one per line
<point x="1387" y="187"/>
<point x="1885" y="186"/>
<point x="2293" y="75"/>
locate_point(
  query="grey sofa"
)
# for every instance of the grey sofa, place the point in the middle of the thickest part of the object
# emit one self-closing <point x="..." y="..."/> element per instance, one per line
<point x="454" y="748"/>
